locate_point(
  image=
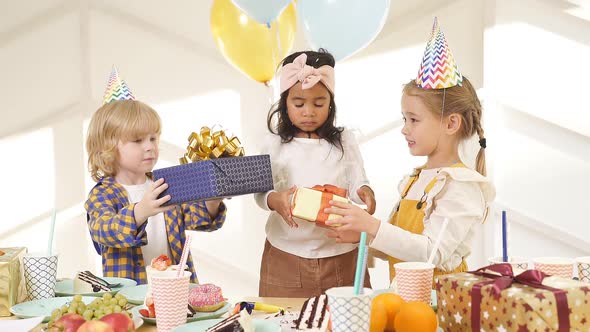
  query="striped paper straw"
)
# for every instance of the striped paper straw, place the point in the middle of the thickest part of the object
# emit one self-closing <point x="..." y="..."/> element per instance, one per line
<point x="185" y="251"/>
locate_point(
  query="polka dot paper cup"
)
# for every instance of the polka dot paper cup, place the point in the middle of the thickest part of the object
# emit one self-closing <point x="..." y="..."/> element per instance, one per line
<point x="583" y="264"/>
<point x="414" y="280"/>
<point x="555" y="266"/>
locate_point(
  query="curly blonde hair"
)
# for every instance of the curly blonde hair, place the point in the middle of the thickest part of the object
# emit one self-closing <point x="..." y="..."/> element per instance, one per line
<point x="121" y="120"/>
<point x="460" y="99"/>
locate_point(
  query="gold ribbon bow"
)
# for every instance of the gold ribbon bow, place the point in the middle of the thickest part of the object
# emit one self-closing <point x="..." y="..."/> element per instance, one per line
<point x="209" y="145"/>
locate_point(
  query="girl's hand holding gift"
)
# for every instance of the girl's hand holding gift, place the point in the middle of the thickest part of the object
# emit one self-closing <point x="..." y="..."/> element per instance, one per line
<point x="150" y="205"/>
<point x="280" y="202"/>
<point x="344" y="236"/>
<point x="354" y="219"/>
<point x="367" y="195"/>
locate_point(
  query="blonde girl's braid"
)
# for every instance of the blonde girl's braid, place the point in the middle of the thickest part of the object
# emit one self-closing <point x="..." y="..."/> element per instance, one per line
<point x="480" y="160"/>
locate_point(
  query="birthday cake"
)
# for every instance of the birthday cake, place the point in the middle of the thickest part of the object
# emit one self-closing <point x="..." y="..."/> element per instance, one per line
<point x="86" y="282"/>
<point x="314" y="315"/>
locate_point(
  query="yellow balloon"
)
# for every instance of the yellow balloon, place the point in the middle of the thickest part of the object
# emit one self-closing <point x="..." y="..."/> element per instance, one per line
<point x="254" y="48"/>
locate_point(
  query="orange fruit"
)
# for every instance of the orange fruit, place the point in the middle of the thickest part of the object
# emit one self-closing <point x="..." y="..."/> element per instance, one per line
<point x="384" y="308"/>
<point x="415" y="316"/>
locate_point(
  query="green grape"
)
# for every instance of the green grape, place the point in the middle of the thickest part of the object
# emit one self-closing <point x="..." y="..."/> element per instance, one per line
<point x="98" y="313"/>
<point x="88" y="314"/>
<point x="119" y="296"/>
<point x="123" y="302"/>
<point x="78" y="298"/>
<point x="117" y="308"/>
<point x="113" y="301"/>
<point x="71" y="310"/>
<point x="108" y="310"/>
<point x="64" y="309"/>
<point x="74" y="305"/>
<point x="107" y="296"/>
<point x="55" y="312"/>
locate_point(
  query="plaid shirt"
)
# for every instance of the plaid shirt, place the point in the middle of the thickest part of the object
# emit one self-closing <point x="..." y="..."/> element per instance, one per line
<point x="117" y="238"/>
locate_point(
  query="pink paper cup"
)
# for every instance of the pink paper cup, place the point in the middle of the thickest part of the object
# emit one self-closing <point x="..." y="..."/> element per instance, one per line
<point x="170" y="299"/>
<point x="555" y="266"/>
<point x="517" y="263"/>
<point x="414" y="280"/>
<point x="583" y="264"/>
<point x="150" y="272"/>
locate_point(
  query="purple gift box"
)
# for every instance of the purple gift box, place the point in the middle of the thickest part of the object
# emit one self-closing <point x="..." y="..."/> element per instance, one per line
<point x="216" y="178"/>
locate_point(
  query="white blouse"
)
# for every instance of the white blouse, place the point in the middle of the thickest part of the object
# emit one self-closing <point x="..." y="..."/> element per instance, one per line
<point x="307" y="162"/>
<point x="462" y="195"/>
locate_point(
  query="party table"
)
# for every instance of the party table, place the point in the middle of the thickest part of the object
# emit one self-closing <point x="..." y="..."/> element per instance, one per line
<point x="290" y="304"/>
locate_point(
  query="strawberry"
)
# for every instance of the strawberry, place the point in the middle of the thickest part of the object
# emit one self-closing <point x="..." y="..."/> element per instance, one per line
<point x="161" y="262"/>
<point x="152" y="310"/>
<point x="144" y="312"/>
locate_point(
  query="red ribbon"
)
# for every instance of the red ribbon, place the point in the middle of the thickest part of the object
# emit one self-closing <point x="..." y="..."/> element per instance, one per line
<point x="532" y="278"/>
<point x="328" y="191"/>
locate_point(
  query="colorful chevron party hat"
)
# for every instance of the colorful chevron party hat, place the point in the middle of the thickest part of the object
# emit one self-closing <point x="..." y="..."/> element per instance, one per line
<point x="438" y="69"/>
<point x="117" y="89"/>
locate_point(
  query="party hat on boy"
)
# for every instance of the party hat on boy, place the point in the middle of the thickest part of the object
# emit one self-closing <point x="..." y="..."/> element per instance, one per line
<point x="438" y="69"/>
<point x="117" y="89"/>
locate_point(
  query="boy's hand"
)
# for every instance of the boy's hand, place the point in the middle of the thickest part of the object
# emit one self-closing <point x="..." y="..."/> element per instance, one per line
<point x="213" y="207"/>
<point x="280" y="202"/>
<point x="150" y="204"/>
<point x="367" y="195"/>
<point x="353" y="218"/>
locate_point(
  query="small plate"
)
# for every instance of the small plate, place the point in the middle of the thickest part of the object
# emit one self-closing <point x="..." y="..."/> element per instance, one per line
<point x="201" y="326"/>
<point x="66" y="287"/>
<point x="198" y="316"/>
<point x="136" y="294"/>
<point x="43" y="307"/>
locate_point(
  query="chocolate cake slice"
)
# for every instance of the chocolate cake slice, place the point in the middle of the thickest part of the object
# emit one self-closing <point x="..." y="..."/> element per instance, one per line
<point x="240" y="322"/>
<point x="314" y="315"/>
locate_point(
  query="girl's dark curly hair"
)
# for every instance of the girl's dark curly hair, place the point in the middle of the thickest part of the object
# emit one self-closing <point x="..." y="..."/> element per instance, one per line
<point x="285" y="127"/>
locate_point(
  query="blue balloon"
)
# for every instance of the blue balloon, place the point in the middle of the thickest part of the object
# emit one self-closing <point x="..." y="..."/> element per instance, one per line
<point x="263" y="11"/>
<point x="343" y="27"/>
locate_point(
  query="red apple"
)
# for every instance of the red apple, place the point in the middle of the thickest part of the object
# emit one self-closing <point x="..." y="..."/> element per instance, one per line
<point x="95" y="326"/>
<point x="69" y="322"/>
<point x="119" y="322"/>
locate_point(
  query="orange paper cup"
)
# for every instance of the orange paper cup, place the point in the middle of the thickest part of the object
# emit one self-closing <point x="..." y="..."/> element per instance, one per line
<point x="555" y="266"/>
<point x="414" y="280"/>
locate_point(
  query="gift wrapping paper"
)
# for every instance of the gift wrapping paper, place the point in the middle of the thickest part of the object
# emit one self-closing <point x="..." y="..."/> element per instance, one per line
<point x="12" y="281"/>
<point x="518" y="307"/>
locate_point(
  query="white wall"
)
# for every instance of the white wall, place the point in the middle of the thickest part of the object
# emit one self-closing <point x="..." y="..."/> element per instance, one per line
<point x="526" y="57"/>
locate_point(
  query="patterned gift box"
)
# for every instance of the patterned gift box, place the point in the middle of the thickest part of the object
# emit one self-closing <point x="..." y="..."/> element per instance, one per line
<point x="12" y="281"/>
<point x="309" y="203"/>
<point x="507" y="303"/>
<point x="216" y="178"/>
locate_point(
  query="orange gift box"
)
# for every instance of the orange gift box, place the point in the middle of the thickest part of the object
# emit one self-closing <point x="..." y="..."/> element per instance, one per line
<point x="309" y="203"/>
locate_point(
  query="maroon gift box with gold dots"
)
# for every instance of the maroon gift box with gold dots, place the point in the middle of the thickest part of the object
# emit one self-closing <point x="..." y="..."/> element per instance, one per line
<point x="518" y="307"/>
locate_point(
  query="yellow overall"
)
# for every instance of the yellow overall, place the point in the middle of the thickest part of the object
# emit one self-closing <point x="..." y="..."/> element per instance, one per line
<point x="410" y="216"/>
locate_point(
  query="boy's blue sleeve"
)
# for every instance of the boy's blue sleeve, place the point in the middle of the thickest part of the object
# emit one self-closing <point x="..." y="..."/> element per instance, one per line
<point x="196" y="217"/>
<point x="109" y="227"/>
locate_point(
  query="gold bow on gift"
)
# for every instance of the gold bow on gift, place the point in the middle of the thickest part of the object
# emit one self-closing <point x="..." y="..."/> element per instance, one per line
<point x="206" y="145"/>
